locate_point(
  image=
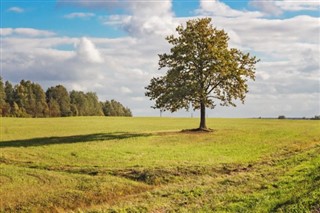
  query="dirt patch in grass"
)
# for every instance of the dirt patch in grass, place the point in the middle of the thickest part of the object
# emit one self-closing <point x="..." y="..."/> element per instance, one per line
<point x="185" y="131"/>
<point x="197" y="130"/>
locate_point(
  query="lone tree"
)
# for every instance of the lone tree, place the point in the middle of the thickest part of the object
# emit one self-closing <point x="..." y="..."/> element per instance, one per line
<point x="201" y="70"/>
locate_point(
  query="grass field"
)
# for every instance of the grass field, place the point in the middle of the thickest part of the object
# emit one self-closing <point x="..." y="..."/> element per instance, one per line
<point x="105" y="164"/>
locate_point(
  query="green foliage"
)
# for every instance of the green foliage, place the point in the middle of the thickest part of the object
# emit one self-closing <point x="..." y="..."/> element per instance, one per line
<point x="30" y="99"/>
<point x="54" y="108"/>
<point x="27" y="99"/>
<point x="94" y="105"/>
<point x="2" y="97"/>
<point x="61" y="96"/>
<point x="115" y="108"/>
<point x="7" y="109"/>
<point x="41" y="107"/>
<point x="201" y="70"/>
<point x="85" y="104"/>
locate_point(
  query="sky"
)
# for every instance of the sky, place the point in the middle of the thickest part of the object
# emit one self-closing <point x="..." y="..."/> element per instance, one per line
<point x="111" y="47"/>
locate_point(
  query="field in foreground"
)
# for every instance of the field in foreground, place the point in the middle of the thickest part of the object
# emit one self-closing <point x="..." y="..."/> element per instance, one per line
<point x="105" y="164"/>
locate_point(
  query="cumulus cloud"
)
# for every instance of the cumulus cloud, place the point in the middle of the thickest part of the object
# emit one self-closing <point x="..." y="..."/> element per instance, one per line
<point x="16" y="10"/>
<point x="87" y="52"/>
<point x="145" y="18"/>
<point x="38" y="59"/>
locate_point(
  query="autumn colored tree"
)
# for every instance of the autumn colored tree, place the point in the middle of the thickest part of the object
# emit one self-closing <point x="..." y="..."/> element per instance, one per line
<point x="201" y="71"/>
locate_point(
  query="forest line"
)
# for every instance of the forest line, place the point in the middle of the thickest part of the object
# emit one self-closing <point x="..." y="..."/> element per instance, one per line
<point x="28" y="99"/>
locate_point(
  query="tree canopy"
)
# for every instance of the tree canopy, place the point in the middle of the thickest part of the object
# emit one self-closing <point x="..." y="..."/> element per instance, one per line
<point x="201" y="71"/>
<point x="28" y="99"/>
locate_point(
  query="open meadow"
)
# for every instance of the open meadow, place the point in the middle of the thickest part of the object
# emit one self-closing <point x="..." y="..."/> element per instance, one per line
<point x="109" y="164"/>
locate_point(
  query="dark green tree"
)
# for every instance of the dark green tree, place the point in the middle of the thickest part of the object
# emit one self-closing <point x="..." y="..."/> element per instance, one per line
<point x="115" y="108"/>
<point x="41" y="107"/>
<point x="60" y="94"/>
<point x="27" y="99"/>
<point x="201" y="70"/>
<point x="10" y="94"/>
<point x="2" y="98"/>
<point x="22" y="97"/>
<point x="30" y="98"/>
<point x="54" y="108"/>
<point x="79" y="103"/>
<point x="11" y="98"/>
<point x="85" y="104"/>
<point x="16" y="111"/>
<point x="95" y="108"/>
<point x="106" y="107"/>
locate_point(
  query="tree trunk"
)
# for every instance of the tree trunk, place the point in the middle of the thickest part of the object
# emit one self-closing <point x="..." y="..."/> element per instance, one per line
<point x="203" y="116"/>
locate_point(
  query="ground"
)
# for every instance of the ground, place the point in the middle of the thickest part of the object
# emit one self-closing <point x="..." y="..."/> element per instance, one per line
<point x="105" y="164"/>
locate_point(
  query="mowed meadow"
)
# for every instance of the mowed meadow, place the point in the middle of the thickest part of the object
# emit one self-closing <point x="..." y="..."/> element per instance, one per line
<point x="113" y="164"/>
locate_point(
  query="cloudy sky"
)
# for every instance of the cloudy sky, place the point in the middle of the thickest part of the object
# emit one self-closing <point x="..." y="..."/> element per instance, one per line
<point x="111" y="47"/>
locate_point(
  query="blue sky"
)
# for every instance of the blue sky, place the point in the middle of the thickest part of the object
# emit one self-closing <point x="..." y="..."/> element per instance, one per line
<point x="111" y="47"/>
<point x="51" y="15"/>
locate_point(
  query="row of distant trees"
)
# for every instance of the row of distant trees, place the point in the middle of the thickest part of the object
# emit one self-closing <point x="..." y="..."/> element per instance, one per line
<point x="28" y="99"/>
<point x="316" y="117"/>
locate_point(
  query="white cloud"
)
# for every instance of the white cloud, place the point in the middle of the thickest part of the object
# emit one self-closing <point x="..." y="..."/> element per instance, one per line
<point x="6" y="31"/>
<point x="125" y="90"/>
<point x="102" y="4"/>
<point x="86" y="51"/>
<point x="146" y="18"/>
<point x="28" y="32"/>
<point x="16" y="9"/>
<point x="267" y="6"/>
<point x="297" y="5"/>
<point x="217" y="8"/>
<point x="278" y="7"/>
<point x="37" y="59"/>
<point x="79" y="15"/>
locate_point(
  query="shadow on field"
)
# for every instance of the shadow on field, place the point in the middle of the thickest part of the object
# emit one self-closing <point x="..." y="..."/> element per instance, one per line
<point x="70" y="139"/>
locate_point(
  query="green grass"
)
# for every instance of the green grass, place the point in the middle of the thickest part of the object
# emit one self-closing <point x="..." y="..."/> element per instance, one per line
<point x="105" y="164"/>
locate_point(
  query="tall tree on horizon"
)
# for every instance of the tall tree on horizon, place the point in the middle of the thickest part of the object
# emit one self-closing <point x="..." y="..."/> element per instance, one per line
<point x="41" y="107"/>
<point x="11" y="100"/>
<point x="30" y="98"/>
<point x="60" y="94"/>
<point x="201" y="71"/>
<point x="2" y="97"/>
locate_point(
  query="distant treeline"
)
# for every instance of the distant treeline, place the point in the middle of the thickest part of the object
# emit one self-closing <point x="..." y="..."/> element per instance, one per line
<point x="28" y="99"/>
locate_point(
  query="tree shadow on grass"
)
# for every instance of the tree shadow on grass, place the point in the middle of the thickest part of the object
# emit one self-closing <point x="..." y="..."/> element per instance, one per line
<point x="44" y="141"/>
